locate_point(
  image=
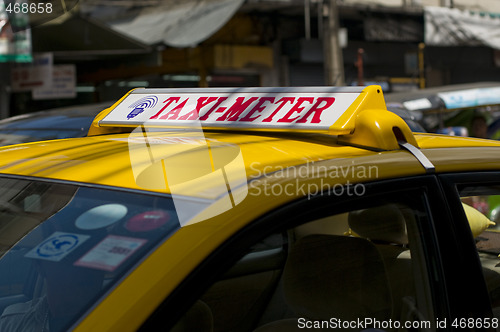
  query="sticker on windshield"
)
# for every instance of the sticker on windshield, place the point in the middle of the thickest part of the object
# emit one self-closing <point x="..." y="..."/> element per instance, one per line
<point x="57" y="246"/>
<point x="147" y="221"/>
<point x="110" y="252"/>
<point x="101" y="216"/>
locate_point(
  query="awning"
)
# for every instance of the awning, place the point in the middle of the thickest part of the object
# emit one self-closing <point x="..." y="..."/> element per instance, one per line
<point x="74" y="35"/>
<point x="175" y="23"/>
<point x="393" y="28"/>
<point x="454" y="27"/>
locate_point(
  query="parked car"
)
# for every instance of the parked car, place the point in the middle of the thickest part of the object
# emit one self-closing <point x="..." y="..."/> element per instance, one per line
<point x="440" y="109"/>
<point x="252" y="209"/>
<point x="73" y="121"/>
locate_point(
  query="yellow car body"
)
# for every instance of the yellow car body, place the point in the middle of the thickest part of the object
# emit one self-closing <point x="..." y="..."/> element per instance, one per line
<point x="228" y="170"/>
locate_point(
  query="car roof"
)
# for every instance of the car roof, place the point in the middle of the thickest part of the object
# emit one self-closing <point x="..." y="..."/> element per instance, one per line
<point x="82" y="159"/>
<point x="106" y="160"/>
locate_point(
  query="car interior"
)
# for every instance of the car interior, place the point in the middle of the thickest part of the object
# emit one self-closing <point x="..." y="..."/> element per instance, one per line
<point x="344" y="267"/>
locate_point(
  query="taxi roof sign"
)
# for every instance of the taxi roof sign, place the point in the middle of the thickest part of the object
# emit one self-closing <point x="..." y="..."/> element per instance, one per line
<point x="327" y="110"/>
<point x="320" y="109"/>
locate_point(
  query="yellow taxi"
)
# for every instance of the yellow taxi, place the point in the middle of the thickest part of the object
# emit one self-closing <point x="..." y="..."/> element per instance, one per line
<point x="251" y="209"/>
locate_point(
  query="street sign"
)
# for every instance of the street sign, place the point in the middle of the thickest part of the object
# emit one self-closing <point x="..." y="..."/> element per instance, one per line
<point x="38" y="74"/>
<point x="63" y="84"/>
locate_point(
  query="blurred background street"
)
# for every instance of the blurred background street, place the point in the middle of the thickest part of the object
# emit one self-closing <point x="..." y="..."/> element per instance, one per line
<point x="94" y="51"/>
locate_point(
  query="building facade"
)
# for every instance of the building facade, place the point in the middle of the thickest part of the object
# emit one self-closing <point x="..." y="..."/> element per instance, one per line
<point x="261" y="43"/>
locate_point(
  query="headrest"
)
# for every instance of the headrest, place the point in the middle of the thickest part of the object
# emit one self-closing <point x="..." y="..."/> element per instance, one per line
<point x="341" y="275"/>
<point x="333" y="225"/>
<point x="385" y="223"/>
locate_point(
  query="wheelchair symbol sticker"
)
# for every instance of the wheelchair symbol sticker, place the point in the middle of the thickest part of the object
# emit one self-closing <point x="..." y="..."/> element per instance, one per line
<point x="57" y="246"/>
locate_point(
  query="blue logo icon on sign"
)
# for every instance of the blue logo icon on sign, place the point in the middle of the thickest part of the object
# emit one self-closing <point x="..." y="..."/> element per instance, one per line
<point x="141" y="104"/>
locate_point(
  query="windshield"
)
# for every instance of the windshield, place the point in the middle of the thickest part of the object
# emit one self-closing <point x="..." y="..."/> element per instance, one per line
<point x="63" y="246"/>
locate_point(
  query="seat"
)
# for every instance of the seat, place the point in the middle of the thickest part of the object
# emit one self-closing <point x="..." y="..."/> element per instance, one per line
<point x="331" y="276"/>
<point x="385" y="227"/>
<point x="197" y="318"/>
<point x="383" y="224"/>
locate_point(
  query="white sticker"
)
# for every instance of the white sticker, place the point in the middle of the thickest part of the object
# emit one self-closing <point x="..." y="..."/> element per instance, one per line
<point x="101" y="216"/>
<point x="110" y="252"/>
<point x="57" y="246"/>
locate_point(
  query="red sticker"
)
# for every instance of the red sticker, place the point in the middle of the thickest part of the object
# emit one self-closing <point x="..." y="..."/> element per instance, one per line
<point x="147" y="221"/>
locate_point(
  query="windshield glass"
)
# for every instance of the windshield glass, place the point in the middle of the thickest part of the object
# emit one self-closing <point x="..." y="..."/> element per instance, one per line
<point x="63" y="246"/>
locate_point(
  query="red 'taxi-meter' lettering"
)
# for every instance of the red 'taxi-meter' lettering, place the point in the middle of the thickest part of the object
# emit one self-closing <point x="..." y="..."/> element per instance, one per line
<point x="296" y="108"/>
<point x="239" y="106"/>
<point x="217" y="103"/>
<point x="167" y="103"/>
<point x="200" y="103"/>
<point x="316" y="109"/>
<point x="233" y="113"/>
<point x="283" y="101"/>
<point x="259" y="107"/>
<point x="174" y="113"/>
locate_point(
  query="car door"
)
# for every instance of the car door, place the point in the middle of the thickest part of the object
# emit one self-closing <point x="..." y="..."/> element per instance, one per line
<point x="338" y="260"/>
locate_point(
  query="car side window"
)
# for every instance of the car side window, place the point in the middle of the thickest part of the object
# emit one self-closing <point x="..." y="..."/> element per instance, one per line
<point x="361" y="268"/>
<point x="482" y="207"/>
